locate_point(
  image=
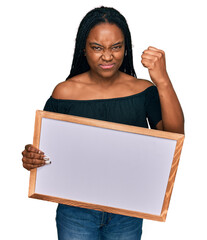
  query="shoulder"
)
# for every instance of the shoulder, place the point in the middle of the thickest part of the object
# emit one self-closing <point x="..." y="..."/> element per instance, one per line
<point x="142" y="84"/>
<point x="67" y="89"/>
<point x="61" y="90"/>
<point x="138" y="85"/>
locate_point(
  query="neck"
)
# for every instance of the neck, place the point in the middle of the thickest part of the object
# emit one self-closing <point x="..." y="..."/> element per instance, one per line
<point x="103" y="81"/>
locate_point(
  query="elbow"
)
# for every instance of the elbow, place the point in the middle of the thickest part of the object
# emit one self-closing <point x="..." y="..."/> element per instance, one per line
<point x="176" y="127"/>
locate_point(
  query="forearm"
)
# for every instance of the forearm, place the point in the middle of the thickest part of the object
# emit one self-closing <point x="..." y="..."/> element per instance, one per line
<point x="172" y="114"/>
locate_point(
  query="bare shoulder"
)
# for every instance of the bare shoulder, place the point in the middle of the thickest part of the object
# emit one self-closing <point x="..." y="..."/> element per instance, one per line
<point x="138" y="85"/>
<point x="62" y="90"/>
<point x="67" y="89"/>
<point x="142" y="84"/>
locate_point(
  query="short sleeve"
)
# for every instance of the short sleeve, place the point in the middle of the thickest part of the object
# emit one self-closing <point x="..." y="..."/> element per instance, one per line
<point x="51" y="105"/>
<point x="153" y="108"/>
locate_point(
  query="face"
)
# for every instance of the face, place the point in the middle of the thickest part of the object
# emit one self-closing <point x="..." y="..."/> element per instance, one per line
<point x="105" y="49"/>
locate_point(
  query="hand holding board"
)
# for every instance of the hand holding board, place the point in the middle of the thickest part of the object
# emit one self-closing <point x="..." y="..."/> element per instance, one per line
<point x="105" y="166"/>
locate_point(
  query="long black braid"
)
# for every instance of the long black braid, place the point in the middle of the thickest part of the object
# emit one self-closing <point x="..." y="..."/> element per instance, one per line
<point x="92" y="18"/>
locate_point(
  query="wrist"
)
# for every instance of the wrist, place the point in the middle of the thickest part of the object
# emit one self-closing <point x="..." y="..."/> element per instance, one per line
<point x="164" y="83"/>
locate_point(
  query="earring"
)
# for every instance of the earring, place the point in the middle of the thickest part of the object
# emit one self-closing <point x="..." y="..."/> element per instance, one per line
<point x="125" y="53"/>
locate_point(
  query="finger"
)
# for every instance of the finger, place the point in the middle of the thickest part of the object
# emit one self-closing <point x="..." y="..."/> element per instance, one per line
<point x="35" y="161"/>
<point x="153" y="48"/>
<point x="147" y="63"/>
<point x="148" y="53"/>
<point x="149" y="56"/>
<point x="34" y="155"/>
<point x="30" y="166"/>
<point x="24" y="153"/>
<point x="31" y="148"/>
<point x="156" y="49"/>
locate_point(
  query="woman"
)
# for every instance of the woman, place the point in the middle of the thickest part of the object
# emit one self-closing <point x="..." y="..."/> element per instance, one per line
<point x="102" y="84"/>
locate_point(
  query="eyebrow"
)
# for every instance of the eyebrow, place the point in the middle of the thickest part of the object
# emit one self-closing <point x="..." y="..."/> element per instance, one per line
<point x="94" y="43"/>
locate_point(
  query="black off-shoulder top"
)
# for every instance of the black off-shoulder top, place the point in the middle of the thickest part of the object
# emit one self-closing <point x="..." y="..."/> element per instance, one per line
<point x="132" y="110"/>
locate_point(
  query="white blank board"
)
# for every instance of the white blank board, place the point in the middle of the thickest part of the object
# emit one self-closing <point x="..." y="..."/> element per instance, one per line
<point x="105" y="167"/>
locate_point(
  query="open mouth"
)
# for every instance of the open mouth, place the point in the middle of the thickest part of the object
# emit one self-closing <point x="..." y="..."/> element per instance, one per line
<point x="107" y="66"/>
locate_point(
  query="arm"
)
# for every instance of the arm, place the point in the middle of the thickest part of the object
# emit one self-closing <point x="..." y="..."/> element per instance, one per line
<point x="172" y="114"/>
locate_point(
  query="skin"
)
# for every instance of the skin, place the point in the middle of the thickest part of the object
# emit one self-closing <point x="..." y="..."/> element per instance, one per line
<point x="172" y="114"/>
<point x="33" y="157"/>
<point x="104" y="52"/>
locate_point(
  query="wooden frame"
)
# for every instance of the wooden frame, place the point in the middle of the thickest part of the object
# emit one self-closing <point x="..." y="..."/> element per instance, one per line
<point x="149" y="169"/>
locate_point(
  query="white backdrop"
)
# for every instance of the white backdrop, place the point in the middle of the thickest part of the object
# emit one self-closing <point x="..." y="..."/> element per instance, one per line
<point x="36" y="48"/>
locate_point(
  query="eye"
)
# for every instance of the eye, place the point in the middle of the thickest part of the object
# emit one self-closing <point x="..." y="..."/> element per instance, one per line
<point x="97" y="48"/>
<point x="116" y="48"/>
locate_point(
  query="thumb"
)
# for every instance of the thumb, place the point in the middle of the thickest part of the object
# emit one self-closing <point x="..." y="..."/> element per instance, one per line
<point x="152" y="48"/>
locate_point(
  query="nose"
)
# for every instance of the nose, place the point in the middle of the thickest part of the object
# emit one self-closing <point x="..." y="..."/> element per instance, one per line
<point x="107" y="55"/>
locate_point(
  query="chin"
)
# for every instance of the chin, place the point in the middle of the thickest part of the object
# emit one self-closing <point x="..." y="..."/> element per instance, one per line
<point x="108" y="73"/>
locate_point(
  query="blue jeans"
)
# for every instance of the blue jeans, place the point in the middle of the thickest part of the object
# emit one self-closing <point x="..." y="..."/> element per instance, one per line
<point x="74" y="223"/>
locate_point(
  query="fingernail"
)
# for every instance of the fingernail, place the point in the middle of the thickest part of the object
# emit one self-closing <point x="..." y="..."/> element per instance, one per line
<point x="48" y="162"/>
<point x="46" y="158"/>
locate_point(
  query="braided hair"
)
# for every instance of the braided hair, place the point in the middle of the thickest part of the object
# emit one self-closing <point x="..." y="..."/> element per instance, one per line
<point x="91" y="19"/>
